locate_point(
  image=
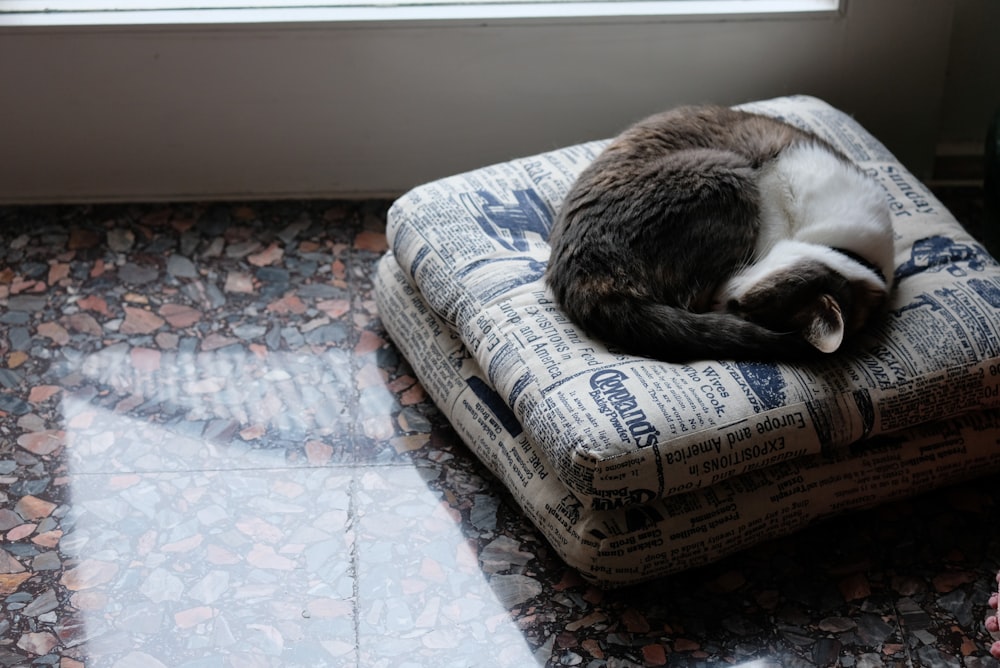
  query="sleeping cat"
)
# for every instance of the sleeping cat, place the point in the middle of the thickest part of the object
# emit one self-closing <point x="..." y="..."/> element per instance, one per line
<point x="706" y="232"/>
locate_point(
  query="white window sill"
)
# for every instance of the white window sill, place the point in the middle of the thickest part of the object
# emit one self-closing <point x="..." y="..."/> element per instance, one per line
<point x="65" y="13"/>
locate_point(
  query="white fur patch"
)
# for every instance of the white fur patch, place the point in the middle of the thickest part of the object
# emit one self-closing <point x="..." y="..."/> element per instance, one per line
<point x="811" y="203"/>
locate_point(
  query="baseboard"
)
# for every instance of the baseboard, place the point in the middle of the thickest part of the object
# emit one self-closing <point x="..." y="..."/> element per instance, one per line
<point x="958" y="164"/>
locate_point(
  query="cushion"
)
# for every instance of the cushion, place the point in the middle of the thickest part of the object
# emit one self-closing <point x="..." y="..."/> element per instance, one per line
<point x="627" y="445"/>
<point x="627" y="544"/>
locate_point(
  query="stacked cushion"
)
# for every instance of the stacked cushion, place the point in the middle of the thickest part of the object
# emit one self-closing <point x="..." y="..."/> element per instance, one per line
<point x="634" y="468"/>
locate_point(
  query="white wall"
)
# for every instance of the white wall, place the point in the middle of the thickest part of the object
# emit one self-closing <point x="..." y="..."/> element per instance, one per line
<point x="362" y="109"/>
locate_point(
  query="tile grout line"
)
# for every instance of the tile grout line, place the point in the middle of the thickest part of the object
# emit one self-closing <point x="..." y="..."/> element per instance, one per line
<point x="354" y="483"/>
<point x="355" y="226"/>
<point x="903" y="631"/>
<point x="354" y="526"/>
<point x="346" y="468"/>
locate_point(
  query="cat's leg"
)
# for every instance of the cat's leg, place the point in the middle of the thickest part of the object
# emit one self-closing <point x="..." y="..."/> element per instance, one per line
<point x="993" y="621"/>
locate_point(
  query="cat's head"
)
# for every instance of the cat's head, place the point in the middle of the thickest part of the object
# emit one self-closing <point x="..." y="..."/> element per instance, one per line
<point x="823" y="294"/>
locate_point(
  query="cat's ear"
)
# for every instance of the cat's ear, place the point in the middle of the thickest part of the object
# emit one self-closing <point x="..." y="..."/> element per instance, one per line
<point x="825" y="330"/>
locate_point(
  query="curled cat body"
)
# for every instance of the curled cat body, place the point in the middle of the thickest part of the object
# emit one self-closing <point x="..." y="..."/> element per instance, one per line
<point x="712" y="233"/>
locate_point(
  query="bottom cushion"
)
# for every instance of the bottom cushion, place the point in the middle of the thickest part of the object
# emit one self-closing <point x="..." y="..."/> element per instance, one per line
<point x="646" y="539"/>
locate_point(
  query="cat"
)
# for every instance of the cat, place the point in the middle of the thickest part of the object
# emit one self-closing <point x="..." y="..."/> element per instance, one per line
<point x="706" y="232"/>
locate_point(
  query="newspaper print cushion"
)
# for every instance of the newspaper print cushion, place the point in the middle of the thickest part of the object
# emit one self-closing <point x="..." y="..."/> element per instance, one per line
<point x="621" y="430"/>
<point x="621" y="546"/>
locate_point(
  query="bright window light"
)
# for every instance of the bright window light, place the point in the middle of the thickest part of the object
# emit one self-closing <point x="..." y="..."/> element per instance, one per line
<point x="127" y="12"/>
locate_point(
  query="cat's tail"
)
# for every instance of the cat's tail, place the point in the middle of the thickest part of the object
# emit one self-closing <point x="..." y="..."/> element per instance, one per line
<point x="674" y="334"/>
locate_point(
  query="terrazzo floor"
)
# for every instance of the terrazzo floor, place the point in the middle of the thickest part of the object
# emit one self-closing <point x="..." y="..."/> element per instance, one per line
<point x="211" y="455"/>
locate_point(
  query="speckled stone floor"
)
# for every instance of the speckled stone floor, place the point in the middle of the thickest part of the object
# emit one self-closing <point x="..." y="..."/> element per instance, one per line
<point x="211" y="455"/>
